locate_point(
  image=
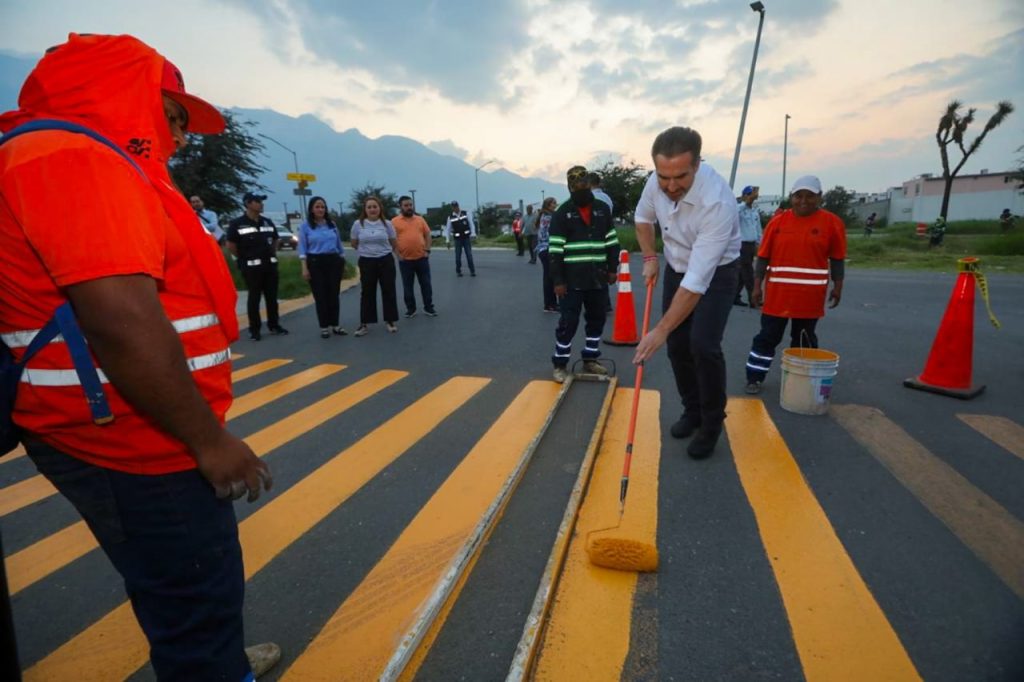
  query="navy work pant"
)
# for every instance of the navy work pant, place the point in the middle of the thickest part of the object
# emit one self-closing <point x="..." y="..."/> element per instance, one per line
<point x="591" y="302"/>
<point x="325" y="272"/>
<point x="695" y="346"/>
<point x="176" y="546"/>
<point x="762" y="350"/>
<point x="261" y="280"/>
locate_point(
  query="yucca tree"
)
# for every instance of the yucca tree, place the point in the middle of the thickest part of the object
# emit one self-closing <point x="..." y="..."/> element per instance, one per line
<point x="952" y="127"/>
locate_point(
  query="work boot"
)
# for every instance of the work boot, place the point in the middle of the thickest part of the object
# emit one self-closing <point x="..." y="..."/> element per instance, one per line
<point x="594" y="367"/>
<point x="703" y="444"/>
<point x="560" y="375"/>
<point x="753" y="387"/>
<point x="685" y="426"/>
<point x="262" y="657"/>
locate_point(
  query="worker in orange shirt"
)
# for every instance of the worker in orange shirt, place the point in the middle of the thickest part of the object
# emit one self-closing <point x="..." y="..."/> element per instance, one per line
<point x="146" y="460"/>
<point x="413" y="241"/>
<point x="800" y="251"/>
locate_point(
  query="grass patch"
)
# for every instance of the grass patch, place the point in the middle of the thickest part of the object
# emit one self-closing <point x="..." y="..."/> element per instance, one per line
<point x="290" y="282"/>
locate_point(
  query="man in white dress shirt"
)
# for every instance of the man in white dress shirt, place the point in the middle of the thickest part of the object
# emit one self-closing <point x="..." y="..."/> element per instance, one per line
<point x="701" y="232"/>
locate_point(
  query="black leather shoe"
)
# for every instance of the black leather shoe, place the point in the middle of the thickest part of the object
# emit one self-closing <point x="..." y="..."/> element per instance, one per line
<point x="278" y="331"/>
<point x="703" y="444"/>
<point x="685" y="426"/>
<point x="254" y="334"/>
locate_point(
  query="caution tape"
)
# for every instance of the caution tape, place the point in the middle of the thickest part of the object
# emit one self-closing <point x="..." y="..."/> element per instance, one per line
<point x="972" y="265"/>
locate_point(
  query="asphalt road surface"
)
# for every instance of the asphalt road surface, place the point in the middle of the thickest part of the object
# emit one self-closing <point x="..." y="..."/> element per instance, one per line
<point x="883" y="540"/>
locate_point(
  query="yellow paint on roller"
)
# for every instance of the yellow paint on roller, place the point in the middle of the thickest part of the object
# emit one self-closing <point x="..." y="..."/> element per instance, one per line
<point x="587" y="635"/>
<point x="114" y="647"/>
<point x="615" y="549"/>
<point x="839" y="630"/>
<point x="262" y="396"/>
<point x="257" y="369"/>
<point x="1002" y="431"/>
<point x="987" y="528"/>
<point x="42" y="558"/>
<point x="358" y="640"/>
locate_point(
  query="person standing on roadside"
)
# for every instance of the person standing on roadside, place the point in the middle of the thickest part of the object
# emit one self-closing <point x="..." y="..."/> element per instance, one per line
<point x="547" y="210"/>
<point x="374" y="239"/>
<point x="155" y="473"/>
<point x="323" y="263"/>
<point x="750" y="237"/>
<point x="530" y="233"/>
<point x="208" y="218"/>
<point x="802" y="249"/>
<point x="252" y="240"/>
<point x="701" y="231"/>
<point x="595" y="186"/>
<point x="517" y="232"/>
<point x="459" y="228"/>
<point x="413" y="239"/>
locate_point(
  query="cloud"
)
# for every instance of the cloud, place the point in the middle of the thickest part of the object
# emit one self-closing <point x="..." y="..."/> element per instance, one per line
<point x="449" y="148"/>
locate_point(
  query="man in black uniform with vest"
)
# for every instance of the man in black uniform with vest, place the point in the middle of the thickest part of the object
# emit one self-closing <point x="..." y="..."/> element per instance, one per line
<point x="252" y="240"/>
<point x="461" y="230"/>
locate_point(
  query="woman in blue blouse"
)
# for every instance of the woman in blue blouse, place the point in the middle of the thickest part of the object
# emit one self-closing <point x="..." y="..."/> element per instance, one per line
<point x="321" y="255"/>
<point x="374" y="239"/>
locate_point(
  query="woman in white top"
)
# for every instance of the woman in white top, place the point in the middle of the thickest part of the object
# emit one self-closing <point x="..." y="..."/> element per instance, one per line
<point x="374" y="239"/>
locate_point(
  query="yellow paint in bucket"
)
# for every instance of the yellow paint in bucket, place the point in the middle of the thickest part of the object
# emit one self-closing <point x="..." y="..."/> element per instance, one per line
<point x="807" y="375"/>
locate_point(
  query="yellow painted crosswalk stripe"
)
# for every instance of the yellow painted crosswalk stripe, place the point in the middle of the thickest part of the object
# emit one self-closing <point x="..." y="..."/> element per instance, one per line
<point x="359" y="639"/>
<point x="1000" y="430"/>
<point x="262" y="396"/>
<point x="587" y="635"/>
<point x="986" y="527"/>
<point x="839" y="630"/>
<point x="17" y="452"/>
<point x="115" y="647"/>
<point x="50" y="554"/>
<point x="257" y="369"/>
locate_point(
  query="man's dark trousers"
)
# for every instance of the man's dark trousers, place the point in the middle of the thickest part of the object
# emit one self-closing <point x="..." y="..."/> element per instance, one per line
<point x="748" y="251"/>
<point x="416" y="269"/>
<point x="762" y="350"/>
<point x="176" y="547"/>
<point x="591" y="301"/>
<point x="261" y="280"/>
<point x="464" y="244"/>
<point x="695" y="346"/>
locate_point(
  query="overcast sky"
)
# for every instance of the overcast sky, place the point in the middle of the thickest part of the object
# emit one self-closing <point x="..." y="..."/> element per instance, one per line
<point x="540" y="85"/>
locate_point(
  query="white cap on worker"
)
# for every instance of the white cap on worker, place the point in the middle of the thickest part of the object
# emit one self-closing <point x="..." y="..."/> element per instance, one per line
<point x="808" y="182"/>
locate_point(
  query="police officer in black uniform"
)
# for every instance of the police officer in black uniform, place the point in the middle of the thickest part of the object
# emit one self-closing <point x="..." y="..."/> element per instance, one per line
<point x="460" y="229"/>
<point x="252" y="240"/>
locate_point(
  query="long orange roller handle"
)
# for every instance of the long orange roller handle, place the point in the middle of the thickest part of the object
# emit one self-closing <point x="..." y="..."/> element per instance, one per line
<point x="624" y="486"/>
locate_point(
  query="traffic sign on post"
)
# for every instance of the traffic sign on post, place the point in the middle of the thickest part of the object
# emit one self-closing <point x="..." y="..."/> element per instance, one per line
<point x="301" y="177"/>
<point x="302" y="192"/>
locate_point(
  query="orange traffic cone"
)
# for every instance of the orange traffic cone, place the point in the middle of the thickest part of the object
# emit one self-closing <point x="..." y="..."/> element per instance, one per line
<point x="948" y="370"/>
<point x="624" y="329"/>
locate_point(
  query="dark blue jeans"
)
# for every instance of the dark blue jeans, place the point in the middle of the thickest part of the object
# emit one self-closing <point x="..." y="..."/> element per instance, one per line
<point x="176" y="546"/>
<point x="416" y="269"/>
<point x="464" y="244"/>
<point x="695" y="346"/>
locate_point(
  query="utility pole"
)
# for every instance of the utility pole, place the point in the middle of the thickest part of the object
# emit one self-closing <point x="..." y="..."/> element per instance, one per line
<point x="785" y="147"/>
<point x="759" y="8"/>
<point x="287" y="220"/>
<point x="413" y="193"/>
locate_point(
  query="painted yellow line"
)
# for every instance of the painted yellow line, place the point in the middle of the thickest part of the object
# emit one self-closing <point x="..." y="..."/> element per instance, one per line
<point x="261" y="396"/>
<point x="114" y="647"/>
<point x="17" y="452"/>
<point x="283" y="307"/>
<point x="988" y="529"/>
<point x="24" y="493"/>
<point x="1002" y="431"/>
<point x="257" y="369"/>
<point x="236" y="356"/>
<point x="358" y="640"/>
<point x="587" y="635"/>
<point x="55" y="551"/>
<point x="45" y="557"/>
<point x="839" y="630"/>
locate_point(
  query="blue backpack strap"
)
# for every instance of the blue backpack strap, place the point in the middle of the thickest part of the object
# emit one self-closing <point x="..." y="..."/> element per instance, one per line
<point x="67" y="126"/>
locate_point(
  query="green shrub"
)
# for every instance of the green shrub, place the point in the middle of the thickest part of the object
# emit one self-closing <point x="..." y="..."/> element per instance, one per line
<point x="290" y="283"/>
<point x="1011" y="244"/>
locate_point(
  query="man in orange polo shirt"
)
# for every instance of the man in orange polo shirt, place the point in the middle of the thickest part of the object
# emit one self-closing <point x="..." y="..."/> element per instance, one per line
<point x="153" y="297"/>
<point x="800" y="250"/>
<point x="414" y="256"/>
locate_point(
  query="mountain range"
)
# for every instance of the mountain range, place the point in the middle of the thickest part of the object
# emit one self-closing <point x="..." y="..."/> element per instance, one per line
<point x="347" y="161"/>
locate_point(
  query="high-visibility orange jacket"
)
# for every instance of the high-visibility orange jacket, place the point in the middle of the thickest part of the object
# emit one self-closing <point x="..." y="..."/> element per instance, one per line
<point x="73" y="210"/>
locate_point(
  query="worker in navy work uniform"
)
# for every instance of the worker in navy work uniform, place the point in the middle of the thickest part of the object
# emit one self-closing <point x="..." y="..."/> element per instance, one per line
<point x="584" y="252"/>
<point x="252" y="240"/>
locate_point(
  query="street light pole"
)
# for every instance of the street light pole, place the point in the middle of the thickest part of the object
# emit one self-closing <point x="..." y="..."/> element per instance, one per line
<point x="413" y="193"/>
<point x="476" y="183"/>
<point x="295" y="158"/>
<point x="785" y="147"/>
<point x="759" y="8"/>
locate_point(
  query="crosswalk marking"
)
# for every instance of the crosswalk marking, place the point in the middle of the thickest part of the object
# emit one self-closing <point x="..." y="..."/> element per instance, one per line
<point x="115" y="645"/>
<point x="13" y="454"/>
<point x="1000" y="430"/>
<point x="261" y="396"/>
<point x="988" y="529"/>
<point x="257" y="369"/>
<point x="52" y="553"/>
<point x="24" y="493"/>
<point x="358" y="640"/>
<point x="839" y="630"/>
<point x="587" y="635"/>
<point x="39" y="560"/>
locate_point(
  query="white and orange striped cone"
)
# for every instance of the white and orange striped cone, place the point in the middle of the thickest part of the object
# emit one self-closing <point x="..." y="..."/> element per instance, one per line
<point x="624" y="329"/>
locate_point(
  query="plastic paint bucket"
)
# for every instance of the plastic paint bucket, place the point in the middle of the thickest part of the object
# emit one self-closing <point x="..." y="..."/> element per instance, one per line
<point x="807" y="375"/>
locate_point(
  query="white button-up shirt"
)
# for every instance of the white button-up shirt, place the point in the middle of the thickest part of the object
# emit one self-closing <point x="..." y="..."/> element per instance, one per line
<point x="700" y="232"/>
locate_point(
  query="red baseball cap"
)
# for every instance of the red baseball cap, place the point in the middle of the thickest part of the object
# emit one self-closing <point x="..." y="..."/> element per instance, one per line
<point x="203" y="117"/>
